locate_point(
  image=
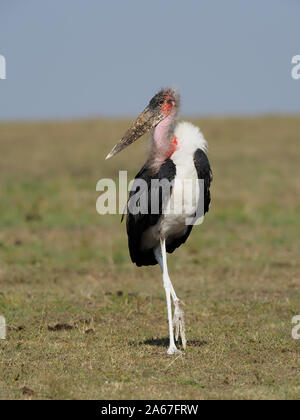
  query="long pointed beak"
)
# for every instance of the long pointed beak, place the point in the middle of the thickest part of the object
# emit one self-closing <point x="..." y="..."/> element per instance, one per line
<point x="144" y="122"/>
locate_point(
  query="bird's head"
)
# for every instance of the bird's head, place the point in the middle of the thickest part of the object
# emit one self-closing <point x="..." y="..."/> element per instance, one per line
<point x="160" y="107"/>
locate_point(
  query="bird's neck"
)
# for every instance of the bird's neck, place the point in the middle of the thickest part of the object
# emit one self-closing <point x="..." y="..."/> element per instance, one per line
<point x="161" y="145"/>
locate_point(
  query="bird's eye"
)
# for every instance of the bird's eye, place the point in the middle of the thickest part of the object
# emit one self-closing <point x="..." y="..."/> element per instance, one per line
<point x="170" y="101"/>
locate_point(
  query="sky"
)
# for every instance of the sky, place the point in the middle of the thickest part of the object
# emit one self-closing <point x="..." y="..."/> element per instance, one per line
<point x="68" y="59"/>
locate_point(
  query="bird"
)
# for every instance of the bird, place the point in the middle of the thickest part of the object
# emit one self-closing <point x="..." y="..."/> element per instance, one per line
<point x="158" y="219"/>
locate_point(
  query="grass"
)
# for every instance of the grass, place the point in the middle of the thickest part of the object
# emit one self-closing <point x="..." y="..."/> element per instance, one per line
<point x="85" y="323"/>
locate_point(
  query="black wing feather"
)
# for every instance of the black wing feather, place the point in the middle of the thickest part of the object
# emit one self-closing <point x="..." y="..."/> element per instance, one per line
<point x="204" y="172"/>
<point x="136" y="224"/>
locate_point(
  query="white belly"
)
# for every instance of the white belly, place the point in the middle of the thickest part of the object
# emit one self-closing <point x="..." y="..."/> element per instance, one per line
<point x="183" y="201"/>
<point x="180" y="209"/>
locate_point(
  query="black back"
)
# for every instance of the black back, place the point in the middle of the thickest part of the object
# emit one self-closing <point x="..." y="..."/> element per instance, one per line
<point x="204" y="172"/>
<point x="137" y="224"/>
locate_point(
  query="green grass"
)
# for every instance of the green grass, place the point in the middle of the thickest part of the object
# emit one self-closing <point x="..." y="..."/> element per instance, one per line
<point x="85" y="323"/>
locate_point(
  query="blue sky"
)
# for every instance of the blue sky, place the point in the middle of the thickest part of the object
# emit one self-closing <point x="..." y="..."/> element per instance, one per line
<point x="90" y="58"/>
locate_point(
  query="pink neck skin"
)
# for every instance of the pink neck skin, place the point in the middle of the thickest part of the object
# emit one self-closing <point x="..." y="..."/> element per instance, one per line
<point x="162" y="145"/>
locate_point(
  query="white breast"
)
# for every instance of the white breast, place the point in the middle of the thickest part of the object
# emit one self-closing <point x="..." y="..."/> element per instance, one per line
<point x="185" y="192"/>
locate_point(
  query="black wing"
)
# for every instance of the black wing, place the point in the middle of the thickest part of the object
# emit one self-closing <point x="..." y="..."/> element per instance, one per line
<point x="204" y="172"/>
<point x="136" y="224"/>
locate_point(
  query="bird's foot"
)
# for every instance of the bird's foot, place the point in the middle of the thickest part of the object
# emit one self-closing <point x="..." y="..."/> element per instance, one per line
<point x="179" y="322"/>
<point x="173" y="350"/>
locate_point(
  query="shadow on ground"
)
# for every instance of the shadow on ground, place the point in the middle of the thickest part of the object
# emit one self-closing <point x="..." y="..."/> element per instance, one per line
<point x="164" y="342"/>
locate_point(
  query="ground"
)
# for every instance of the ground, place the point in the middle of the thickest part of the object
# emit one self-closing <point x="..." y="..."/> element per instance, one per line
<point x="83" y="322"/>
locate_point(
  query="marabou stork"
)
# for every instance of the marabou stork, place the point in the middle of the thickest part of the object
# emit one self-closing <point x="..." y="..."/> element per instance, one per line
<point x="177" y="153"/>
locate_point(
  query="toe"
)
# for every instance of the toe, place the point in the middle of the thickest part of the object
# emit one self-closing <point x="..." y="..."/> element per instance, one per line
<point x="173" y="350"/>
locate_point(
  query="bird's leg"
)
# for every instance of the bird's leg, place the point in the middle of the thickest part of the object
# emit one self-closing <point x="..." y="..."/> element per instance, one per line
<point x="179" y="322"/>
<point x="161" y="256"/>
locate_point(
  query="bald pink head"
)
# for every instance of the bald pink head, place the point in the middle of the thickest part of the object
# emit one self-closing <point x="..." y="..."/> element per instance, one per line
<point x="163" y="144"/>
<point x="158" y="116"/>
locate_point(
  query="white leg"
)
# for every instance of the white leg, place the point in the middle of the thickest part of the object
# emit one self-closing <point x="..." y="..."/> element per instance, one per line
<point x="161" y="256"/>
